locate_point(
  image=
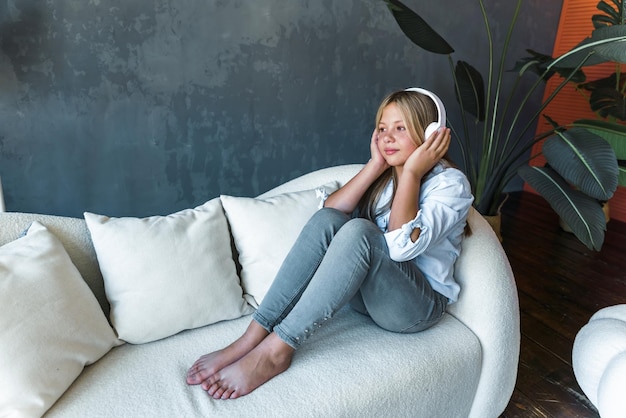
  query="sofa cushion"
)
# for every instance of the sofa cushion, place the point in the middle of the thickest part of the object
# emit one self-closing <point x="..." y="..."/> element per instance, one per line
<point x="264" y="230"/>
<point x="165" y="274"/>
<point x="73" y="234"/>
<point x="51" y="325"/>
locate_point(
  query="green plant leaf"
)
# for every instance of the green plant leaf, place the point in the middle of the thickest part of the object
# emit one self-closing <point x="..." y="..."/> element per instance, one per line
<point x="537" y="63"/>
<point x="607" y="43"/>
<point x="580" y="212"/>
<point x="417" y="30"/>
<point x="607" y="97"/>
<point x="611" y="132"/>
<point x="585" y="160"/>
<point x="622" y="173"/>
<point x="608" y="102"/>
<point x="611" y="16"/>
<point x="471" y="90"/>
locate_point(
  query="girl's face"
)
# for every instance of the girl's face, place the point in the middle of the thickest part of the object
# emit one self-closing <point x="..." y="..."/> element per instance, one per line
<point x="394" y="141"/>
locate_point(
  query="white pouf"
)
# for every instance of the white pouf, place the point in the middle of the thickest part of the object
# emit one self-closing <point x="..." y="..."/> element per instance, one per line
<point x="599" y="360"/>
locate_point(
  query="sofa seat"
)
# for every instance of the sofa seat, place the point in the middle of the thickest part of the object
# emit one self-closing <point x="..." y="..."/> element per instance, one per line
<point x="351" y="363"/>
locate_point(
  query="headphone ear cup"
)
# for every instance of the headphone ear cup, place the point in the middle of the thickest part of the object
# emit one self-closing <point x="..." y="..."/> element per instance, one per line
<point x="430" y="129"/>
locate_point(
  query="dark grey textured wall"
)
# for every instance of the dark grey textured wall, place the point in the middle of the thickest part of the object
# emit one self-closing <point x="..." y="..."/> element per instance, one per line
<point x="134" y="108"/>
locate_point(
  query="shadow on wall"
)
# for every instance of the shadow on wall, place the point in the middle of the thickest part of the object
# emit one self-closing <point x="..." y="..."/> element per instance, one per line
<point x="148" y="107"/>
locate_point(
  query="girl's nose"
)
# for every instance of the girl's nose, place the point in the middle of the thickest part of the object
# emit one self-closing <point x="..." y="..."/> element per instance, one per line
<point x="387" y="137"/>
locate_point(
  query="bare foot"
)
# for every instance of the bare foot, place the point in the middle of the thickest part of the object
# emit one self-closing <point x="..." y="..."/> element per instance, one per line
<point x="267" y="360"/>
<point x="209" y="364"/>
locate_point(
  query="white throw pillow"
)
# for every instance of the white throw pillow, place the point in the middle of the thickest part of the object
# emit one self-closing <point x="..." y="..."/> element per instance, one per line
<point x="165" y="274"/>
<point x="264" y="231"/>
<point x="51" y="325"/>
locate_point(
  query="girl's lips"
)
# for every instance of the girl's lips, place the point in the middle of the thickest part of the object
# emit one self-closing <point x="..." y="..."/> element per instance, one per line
<point x="390" y="151"/>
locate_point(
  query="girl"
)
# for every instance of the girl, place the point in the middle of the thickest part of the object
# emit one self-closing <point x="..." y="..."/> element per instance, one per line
<point x="393" y="262"/>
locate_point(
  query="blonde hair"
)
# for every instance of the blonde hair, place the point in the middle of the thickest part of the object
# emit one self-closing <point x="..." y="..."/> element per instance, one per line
<point x="418" y="111"/>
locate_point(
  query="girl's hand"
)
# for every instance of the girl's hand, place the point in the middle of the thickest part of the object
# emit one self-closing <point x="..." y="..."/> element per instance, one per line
<point x="377" y="157"/>
<point x="427" y="155"/>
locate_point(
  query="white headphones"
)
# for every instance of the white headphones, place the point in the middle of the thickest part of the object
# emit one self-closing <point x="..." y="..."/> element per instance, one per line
<point x="441" y="112"/>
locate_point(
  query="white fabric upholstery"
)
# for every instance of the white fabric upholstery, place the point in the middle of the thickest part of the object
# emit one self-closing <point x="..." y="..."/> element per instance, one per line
<point x="464" y="366"/>
<point x="599" y="360"/>
<point x="489" y="306"/>
<point x="350" y="369"/>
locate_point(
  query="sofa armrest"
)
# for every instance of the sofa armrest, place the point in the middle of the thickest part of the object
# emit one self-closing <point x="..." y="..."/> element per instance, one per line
<point x="599" y="360"/>
<point x="488" y="305"/>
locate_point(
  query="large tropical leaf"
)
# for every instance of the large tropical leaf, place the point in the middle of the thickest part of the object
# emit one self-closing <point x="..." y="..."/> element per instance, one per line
<point x="537" y="63"/>
<point x="417" y="30"/>
<point x="608" y="102"/>
<point x="611" y="16"/>
<point x="580" y="212"/>
<point x="607" y="97"/>
<point x="611" y="132"/>
<point x="607" y="43"/>
<point x="585" y="160"/>
<point x="471" y="90"/>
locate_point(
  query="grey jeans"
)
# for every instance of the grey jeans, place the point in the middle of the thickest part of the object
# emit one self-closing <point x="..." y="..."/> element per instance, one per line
<point x="337" y="260"/>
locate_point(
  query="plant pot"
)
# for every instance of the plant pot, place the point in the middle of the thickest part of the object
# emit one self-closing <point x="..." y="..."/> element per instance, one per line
<point x="495" y="221"/>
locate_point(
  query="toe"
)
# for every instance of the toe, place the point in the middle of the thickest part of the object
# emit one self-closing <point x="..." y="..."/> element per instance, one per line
<point x="207" y="384"/>
<point x="218" y="393"/>
<point x="211" y="388"/>
<point x="193" y="376"/>
<point x="228" y="394"/>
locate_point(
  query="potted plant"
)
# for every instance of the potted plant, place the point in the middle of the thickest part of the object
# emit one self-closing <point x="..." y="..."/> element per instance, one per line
<point x="498" y="146"/>
<point x="586" y="162"/>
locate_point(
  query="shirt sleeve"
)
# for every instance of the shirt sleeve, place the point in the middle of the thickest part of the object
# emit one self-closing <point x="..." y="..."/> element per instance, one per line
<point x="322" y="194"/>
<point x="444" y="203"/>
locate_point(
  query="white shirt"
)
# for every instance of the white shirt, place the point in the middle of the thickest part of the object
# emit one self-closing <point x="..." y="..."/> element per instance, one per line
<point x="444" y="203"/>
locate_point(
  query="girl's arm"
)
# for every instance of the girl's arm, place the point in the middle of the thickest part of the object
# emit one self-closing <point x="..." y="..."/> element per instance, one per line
<point x="405" y="204"/>
<point x="347" y="198"/>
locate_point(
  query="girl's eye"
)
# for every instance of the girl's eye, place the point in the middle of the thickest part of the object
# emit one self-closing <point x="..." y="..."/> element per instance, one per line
<point x="381" y="129"/>
<point x="401" y="128"/>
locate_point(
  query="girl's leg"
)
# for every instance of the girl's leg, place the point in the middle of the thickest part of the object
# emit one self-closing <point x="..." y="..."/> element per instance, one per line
<point x="356" y="256"/>
<point x="401" y="300"/>
<point x="295" y="273"/>
<point x="303" y="302"/>
<point x="299" y="266"/>
<point x="396" y="295"/>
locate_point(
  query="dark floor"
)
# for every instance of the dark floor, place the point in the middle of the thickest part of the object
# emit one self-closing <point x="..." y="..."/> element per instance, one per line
<point x="561" y="284"/>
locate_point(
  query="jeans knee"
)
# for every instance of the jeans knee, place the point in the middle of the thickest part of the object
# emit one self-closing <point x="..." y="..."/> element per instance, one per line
<point x="361" y="232"/>
<point x="361" y="227"/>
<point x="329" y="216"/>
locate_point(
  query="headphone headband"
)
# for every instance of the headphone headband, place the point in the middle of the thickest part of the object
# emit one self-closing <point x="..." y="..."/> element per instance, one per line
<point x="441" y="111"/>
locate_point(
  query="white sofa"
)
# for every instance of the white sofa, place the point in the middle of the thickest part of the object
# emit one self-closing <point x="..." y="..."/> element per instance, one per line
<point x="465" y="366"/>
<point x="599" y="360"/>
